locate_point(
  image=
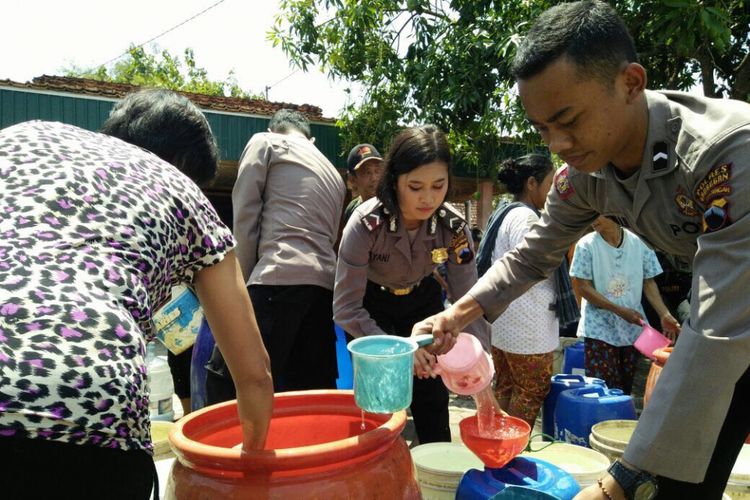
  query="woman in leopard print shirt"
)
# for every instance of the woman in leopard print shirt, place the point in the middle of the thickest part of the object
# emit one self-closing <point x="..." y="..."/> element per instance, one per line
<point x="94" y="233"/>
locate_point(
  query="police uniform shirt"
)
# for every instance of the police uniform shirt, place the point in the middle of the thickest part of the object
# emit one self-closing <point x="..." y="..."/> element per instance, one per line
<point x="375" y="246"/>
<point x="287" y="204"/>
<point x="690" y="199"/>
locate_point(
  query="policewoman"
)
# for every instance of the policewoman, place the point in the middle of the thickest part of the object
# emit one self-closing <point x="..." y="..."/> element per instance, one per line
<point x="389" y="249"/>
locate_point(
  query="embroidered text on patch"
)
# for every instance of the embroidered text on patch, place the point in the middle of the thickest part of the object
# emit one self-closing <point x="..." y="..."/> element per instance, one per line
<point x="715" y="184"/>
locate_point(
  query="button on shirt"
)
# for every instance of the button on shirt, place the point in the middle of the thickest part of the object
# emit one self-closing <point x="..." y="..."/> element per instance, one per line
<point x="287" y="204"/>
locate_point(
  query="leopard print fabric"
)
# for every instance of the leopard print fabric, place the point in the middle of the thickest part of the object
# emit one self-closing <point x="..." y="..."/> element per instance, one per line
<point x="94" y="233"/>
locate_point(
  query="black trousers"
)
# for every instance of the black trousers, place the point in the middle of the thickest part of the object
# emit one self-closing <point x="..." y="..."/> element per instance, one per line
<point x="396" y="315"/>
<point x="731" y="438"/>
<point x="38" y="469"/>
<point x="296" y="323"/>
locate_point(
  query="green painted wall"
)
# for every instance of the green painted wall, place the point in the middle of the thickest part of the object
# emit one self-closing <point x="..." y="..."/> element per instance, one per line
<point x="232" y="131"/>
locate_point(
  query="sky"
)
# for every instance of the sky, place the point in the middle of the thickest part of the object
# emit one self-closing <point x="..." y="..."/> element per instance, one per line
<point x="44" y="36"/>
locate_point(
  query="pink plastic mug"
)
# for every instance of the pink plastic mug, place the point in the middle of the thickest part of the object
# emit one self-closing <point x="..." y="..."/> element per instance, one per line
<point x="650" y="340"/>
<point x="466" y="369"/>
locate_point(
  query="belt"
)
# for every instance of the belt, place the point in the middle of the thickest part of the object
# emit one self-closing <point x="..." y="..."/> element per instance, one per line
<point x="399" y="291"/>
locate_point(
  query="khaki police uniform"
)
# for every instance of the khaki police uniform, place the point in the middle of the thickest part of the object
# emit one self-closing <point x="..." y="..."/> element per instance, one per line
<point x="690" y="199"/>
<point x="287" y="204"/>
<point x="384" y="285"/>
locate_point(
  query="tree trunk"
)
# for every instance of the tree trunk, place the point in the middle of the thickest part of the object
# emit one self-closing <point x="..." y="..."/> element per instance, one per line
<point x="707" y="72"/>
<point x="741" y="88"/>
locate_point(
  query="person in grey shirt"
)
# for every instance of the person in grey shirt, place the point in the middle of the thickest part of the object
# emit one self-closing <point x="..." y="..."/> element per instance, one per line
<point x="673" y="168"/>
<point x="287" y="203"/>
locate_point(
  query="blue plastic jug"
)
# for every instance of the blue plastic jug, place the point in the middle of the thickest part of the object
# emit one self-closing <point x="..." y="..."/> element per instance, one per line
<point x="573" y="359"/>
<point x="577" y="410"/>
<point x="562" y="382"/>
<point x="522" y="478"/>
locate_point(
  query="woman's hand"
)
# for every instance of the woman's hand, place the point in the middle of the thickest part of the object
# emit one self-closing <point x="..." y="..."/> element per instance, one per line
<point x="630" y="315"/>
<point x="424" y="362"/>
<point x="670" y="326"/>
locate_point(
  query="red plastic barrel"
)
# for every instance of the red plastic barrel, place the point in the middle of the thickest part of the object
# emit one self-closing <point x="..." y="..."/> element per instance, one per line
<point x="660" y="359"/>
<point x="315" y="449"/>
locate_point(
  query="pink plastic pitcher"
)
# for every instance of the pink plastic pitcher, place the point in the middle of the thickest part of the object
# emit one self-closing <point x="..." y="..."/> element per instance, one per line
<point x="466" y="369"/>
<point x="650" y="340"/>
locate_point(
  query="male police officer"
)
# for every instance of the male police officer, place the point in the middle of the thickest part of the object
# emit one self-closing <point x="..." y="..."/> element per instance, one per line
<point x="287" y="203"/>
<point x="673" y="167"/>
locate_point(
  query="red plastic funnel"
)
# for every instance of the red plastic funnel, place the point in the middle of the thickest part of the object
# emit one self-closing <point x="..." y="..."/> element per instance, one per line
<point x="510" y="438"/>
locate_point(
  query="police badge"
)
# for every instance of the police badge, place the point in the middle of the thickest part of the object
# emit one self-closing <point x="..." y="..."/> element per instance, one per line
<point x="439" y="255"/>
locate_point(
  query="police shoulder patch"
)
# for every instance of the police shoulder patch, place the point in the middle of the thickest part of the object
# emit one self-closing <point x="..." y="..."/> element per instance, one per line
<point x="563" y="187"/>
<point x="714" y="185"/>
<point x="712" y="192"/>
<point x="451" y="218"/>
<point x="375" y="218"/>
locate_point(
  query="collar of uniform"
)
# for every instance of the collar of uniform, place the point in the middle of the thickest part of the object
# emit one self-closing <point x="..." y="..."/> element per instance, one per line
<point x="659" y="157"/>
<point x="450" y="217"/>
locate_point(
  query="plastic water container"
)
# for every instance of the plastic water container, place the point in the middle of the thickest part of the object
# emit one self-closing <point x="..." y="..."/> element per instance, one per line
<point x="316" y="447"/>
<point x="467" y="368"/>
<point x="522" y="478"/>
<point x="650" y="340"/>
<point x="563" y="382"/>
<point x="573" y="359"/>
<point x="383" y="372"/>
<point x="440" y="467"/>
<point x="161" y="387"/>
<point x="578" y="410"/>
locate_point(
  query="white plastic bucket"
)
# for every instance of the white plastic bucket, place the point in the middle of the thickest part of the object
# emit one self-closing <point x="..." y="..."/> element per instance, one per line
<point x="584" y="464"/>
<point x="440" y="467"/>
<point x="160" y="438"/>
<point x="614" y="433"/>
<point x="611" y="452"/>
<point x="738" y="486"/>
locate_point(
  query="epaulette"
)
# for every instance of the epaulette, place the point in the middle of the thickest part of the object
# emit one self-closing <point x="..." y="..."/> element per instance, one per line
<point x="451" y="218"/>
<point x="375" y="217"/>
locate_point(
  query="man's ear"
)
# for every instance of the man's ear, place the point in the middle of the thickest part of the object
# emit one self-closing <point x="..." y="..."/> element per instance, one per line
<point x="635" y="80"/>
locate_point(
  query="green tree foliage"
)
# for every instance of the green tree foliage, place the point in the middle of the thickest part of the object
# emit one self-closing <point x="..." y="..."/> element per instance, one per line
<point x="447" y="61"/>
<point x="162" y="69"/>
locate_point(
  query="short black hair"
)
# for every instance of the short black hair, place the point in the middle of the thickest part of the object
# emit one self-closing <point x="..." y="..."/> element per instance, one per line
<point x="514" y="173"/>
<point x="411" y="149"/>
<point x="589" y="33"/>
<point x="168" y="125"/>
<point x="288" y="120"/>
